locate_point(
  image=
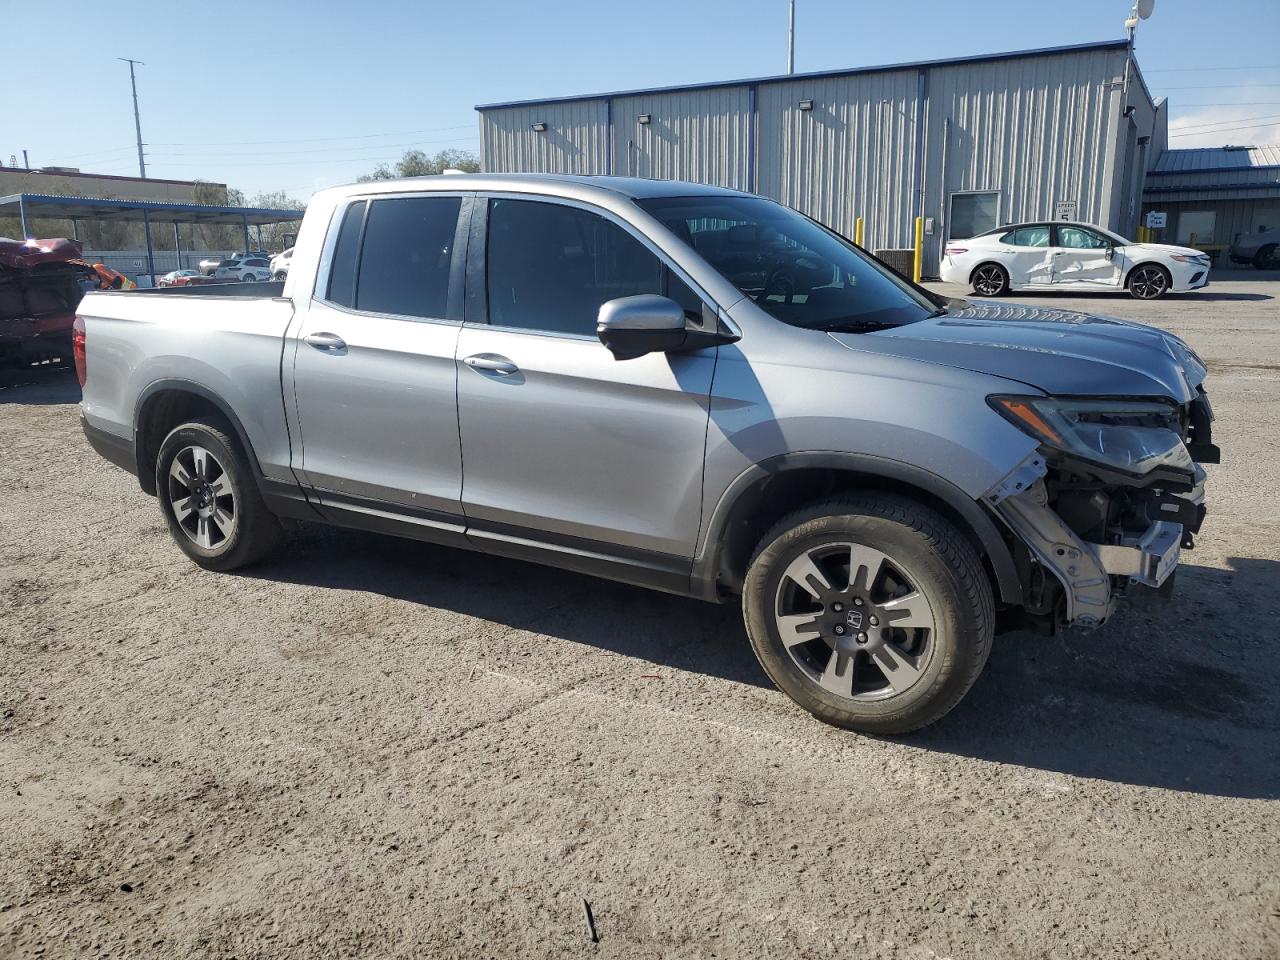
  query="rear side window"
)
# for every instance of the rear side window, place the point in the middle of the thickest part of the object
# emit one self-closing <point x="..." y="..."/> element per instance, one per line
<point x="1027" y="237"/>
<point x="551" y="266"/>
<point x="342" y="272"/>
<point x="405" y="259"/>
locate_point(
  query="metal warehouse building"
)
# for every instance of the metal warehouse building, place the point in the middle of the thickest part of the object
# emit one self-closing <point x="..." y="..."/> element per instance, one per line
<point x="967" y="143"/>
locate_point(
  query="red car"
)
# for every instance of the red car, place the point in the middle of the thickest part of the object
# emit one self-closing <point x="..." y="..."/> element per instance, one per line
<point x="40" y="288"/>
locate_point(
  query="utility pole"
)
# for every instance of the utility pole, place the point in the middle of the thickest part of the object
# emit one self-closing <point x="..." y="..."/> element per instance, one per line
<point x="791" y="37"/>
<point x="137" y="122"/>
<point x="25" y="162"/>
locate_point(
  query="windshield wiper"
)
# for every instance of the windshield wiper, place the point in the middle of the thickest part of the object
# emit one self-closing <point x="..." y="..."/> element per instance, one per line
<point x="853" y="326"/>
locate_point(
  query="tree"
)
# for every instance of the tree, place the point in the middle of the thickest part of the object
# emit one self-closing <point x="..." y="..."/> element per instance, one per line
<point x="274" y="234"/>
<point x="415" y="163"/>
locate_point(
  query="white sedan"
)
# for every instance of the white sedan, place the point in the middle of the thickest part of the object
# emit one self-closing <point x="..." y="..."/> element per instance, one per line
<point x="247" y="269"/>
<point x="1070" y="256"/>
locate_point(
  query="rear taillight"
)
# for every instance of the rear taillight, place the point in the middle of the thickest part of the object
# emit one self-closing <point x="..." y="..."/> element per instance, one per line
<point x="77" y="350"/>
<point x="955" y="251"/>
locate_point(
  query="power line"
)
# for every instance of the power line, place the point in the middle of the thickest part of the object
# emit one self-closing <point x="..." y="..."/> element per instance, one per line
<point x="1224" y="123"/>
<point x="1272" y="66"/>
<point x="365" y="136"/>
<point x="286" y="153"/>
<point x="283" y="163"/>
<point x="1193" y="133"/>
<point x="1225" y="86"/>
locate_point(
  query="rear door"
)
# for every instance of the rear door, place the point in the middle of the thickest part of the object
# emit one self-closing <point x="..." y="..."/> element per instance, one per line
<point x="565" y="447"/>
<point x="373" y="371"/>
<point x="1084" y="258"/>
<point x="1029" y="256"/>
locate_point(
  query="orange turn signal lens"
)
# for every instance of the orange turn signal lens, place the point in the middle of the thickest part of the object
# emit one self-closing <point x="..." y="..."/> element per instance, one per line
<point x="1023" y="412"/>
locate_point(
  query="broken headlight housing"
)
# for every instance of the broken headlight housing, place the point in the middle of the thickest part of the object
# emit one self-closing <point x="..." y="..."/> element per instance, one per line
<point x="1134" y="436"/>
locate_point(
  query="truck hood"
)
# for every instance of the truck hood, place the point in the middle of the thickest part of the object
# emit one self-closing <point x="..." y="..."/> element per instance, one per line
<point x="1061" y="352"/>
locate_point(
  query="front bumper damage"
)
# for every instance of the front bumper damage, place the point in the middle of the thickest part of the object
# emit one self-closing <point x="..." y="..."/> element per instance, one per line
<point x="1092" y="574"/>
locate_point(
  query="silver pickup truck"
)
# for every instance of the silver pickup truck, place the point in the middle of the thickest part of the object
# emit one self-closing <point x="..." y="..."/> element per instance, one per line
<point x="678" y="386"/>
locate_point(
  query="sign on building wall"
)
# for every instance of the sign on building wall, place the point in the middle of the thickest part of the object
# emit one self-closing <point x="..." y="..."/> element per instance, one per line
<point x="1065" y="210"/>
<point x="1156" y="219"/>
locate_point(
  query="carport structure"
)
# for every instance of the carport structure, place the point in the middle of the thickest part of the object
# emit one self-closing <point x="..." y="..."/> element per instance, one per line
<point x="32" y="206"/>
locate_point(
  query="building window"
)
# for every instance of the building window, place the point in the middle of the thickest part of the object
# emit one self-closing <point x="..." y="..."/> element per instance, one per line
<point x="1198" y="224"/>
<point x="973" y="214"/>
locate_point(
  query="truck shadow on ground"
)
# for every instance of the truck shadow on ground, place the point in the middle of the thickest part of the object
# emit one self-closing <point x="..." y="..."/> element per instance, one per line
<point x="1179" y="695"/>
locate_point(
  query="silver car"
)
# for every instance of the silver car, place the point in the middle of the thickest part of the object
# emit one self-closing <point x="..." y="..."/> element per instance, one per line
<point x="1262" y="249"/>
<point x="679" y="386"/>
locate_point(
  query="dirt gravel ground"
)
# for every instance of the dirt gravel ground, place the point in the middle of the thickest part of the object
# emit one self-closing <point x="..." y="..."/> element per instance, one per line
<point x="375" y="748"/>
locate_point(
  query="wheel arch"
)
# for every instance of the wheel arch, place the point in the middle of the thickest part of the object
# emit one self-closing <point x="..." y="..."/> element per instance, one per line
<point x="763" y="493"/>
<point x="1146" y="263"/>
<point x="991" y="262"/>
<point x="166" y="403"/>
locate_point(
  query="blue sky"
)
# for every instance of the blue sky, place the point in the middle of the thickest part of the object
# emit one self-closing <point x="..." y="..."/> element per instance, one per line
<point x="298" y="96"/>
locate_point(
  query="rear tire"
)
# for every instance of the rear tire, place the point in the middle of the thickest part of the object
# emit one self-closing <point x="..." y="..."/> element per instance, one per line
<point x="210" y="499"/>
<point x="990" y="280"/>
<point x="1267" y="258"/>
<point x="894" y="628"/>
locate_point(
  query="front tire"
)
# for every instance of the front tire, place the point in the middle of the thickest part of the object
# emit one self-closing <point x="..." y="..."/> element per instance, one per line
<point x="1267" y="258"/>
<point x="1149" y="282"/>
<point x="870" y="611"/>
<point x="990" y="280"/>
<point x="210" y="501"/>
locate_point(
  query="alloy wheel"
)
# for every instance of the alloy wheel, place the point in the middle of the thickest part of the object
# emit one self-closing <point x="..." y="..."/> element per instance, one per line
<point x="854" y="621"/>
<point x="989" y="281"/>
<point x="201" y="496"/>
<point x="1147" y="283"/>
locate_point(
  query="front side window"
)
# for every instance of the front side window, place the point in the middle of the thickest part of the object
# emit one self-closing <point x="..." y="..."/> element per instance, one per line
<point x="973" y="214"/>
<point x="796" y="270"/>
<point x="1078" y="238"/>
<point x="1027" y="237"/>
<point x="551" y="266"/>
<point x="406" y="255"/>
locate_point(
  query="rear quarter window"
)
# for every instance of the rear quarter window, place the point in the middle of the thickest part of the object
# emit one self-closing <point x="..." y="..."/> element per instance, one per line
<point x="342" y="269"/>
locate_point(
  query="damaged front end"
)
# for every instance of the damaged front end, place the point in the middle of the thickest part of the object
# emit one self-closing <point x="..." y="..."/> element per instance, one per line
<point x="1112" y="496"/>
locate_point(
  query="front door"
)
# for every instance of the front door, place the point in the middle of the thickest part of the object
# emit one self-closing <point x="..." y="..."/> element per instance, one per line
<point x="1085" y="258"/>
<point x="563" y="446"/>
<point x="374" y="373"/>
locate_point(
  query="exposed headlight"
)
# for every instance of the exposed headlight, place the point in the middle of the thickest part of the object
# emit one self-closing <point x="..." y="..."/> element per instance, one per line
<point x="1135" y="436"/>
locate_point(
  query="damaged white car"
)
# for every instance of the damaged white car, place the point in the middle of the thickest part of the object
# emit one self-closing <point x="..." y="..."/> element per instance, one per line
<point x="1071" y="256"/>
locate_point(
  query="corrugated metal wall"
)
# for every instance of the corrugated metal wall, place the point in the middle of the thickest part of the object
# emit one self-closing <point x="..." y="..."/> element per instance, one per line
<point x="850" y="156"/>
<point x="1037" y="129"/>
<point x="1034" y="129"/>
<point x="703" y="136"/>
<point x="576" y="139"/>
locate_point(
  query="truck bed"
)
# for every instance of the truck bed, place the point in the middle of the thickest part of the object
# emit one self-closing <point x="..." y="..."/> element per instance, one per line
<point x="228" y="342"/>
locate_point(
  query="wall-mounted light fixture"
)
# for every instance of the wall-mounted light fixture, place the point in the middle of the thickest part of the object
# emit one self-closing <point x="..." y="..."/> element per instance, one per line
<point x="806" y="105"/>
<point x="646" y="118"/>
<point x="540" y="127"/>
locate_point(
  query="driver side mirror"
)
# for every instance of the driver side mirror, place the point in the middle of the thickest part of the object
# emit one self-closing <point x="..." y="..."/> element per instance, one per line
<point x="1111" y="251"/>
<point x="631" y="327"/>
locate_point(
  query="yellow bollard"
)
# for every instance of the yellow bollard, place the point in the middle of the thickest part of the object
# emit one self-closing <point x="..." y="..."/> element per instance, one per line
<point x="857" y="231"/>
<point x="915" y="270"/>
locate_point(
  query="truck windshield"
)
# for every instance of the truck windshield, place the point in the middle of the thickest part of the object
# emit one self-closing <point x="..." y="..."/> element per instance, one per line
<point x="795" y="269"/>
